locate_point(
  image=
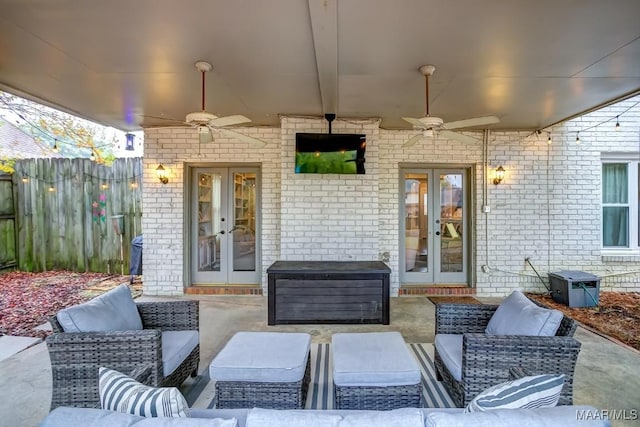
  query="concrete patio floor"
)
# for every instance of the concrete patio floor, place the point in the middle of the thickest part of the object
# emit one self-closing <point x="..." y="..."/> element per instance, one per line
<point x="607" y="374"/>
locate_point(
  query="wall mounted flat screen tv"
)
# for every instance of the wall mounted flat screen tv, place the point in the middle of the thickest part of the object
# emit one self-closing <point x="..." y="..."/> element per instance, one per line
<point x="337" y="153"/>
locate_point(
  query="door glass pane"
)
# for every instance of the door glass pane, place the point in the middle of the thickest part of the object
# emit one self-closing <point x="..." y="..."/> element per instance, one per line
<point x="416" y="220"/>
<point x="244" y="226"/>
<point x="451" y="223"/>
<point x="209" y="191"/>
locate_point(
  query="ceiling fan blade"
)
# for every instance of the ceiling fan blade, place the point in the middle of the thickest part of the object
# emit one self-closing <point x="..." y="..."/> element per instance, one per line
<point x="415" y="122"/>
<point x="476" y="121"/>
<point x="411" y="141"/>
<point x="457" y="136"/>
<point x="229" y="121"/>
<point x="243" y="137"/>
<point x="167" y="119"/>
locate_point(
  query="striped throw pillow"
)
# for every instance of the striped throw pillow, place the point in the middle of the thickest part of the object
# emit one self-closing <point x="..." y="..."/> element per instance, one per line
<point x="120" y="393"/>
<point x="536" y="391"/>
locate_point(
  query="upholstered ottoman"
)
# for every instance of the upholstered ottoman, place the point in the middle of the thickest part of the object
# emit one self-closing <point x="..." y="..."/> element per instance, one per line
<point x="374" y="371"/>
<point x="262" y="369"/>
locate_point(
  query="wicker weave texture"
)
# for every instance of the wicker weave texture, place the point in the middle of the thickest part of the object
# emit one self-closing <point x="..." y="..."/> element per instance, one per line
<point x="378" y="398"/>
<point x="269" y="395"/>
<point x="77" y="357"/>
<point x="486" y="359"/>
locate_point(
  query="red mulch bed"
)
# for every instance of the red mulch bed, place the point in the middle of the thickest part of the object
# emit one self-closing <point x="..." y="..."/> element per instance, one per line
<point x="617" y="315"/>
<point x="27" y="300"/>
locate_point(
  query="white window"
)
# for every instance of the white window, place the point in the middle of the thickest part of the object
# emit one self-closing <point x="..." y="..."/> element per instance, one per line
<point x="620" y="203"/>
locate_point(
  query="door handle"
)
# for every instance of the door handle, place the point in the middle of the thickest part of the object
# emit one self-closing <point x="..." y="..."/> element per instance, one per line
<point x="437" y="233"/>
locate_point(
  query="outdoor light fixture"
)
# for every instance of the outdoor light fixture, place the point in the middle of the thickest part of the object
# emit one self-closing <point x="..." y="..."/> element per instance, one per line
<point x="162" y="174"/>
<point x="129" y="143"/>
<point x="499" y="175"/>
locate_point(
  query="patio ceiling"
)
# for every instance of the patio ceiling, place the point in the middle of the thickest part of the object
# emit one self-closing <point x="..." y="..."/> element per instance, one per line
<point x="531" y="63"/>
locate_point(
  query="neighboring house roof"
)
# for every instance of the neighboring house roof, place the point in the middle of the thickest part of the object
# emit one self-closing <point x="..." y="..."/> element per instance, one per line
<point x="16" y="144"/>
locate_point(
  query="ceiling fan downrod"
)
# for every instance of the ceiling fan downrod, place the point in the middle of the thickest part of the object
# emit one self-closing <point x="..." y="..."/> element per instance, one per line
<point x="427" y="70"/>
<point x="203" y="67"/>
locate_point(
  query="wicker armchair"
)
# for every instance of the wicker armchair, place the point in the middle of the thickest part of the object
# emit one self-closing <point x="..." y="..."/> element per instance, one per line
<point x="77" y="356"/>
<point x="487" y="359"/>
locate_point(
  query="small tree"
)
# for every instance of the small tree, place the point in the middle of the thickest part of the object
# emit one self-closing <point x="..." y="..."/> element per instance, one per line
<point x="70" y="135"/>
<point x="6" y="165"/>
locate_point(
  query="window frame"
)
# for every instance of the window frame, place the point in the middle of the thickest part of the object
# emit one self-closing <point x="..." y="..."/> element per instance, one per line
<point x="633" y="201"/>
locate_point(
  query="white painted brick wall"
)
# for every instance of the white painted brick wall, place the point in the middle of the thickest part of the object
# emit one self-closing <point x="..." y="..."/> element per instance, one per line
<point x="547" y="208"/>
<point x="329" y="217"/>
<point x="392" y="157"/>
<point x="163" y="205"/>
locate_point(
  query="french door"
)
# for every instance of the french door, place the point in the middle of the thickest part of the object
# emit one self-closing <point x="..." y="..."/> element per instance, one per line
<point x="224" y="230"/>
<point x="433" y="242"/>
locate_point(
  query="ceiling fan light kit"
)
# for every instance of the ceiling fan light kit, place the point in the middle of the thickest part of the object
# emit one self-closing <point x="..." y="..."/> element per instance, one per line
<point x="431" y="127"/>
<point x="204" y="134"/>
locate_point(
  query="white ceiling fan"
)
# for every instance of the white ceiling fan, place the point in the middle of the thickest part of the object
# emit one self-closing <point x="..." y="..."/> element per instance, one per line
<point x="431" y="127"/>
<point x="206" y="122"/>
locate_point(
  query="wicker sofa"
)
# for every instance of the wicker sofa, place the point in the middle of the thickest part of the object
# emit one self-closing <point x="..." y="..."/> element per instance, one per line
<point x="487" y="358"/>
<point x="566" y="416"/>
<point x="77" y="356"/>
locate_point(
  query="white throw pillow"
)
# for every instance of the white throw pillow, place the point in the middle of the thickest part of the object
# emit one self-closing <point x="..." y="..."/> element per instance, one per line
<point x="518" y="315"/>
<point x="120" y="393"/>
<point x="536" y="391"/>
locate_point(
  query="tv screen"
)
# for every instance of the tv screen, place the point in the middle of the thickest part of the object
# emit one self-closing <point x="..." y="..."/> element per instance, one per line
<point x="340" y="153"/>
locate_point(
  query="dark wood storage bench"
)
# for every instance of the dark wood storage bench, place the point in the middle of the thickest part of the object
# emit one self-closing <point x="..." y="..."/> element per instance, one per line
<point x="328" y="292"/>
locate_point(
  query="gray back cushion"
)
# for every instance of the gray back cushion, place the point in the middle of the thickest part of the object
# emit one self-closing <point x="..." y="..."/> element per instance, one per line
<point x="518" y="315"/>
<point x="114" y="310"/>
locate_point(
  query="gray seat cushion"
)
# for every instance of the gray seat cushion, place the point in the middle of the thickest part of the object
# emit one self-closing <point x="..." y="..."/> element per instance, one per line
<point x="518" y="315"/>
<point x="114" y="310"/>
<point x="262" y="357"/>
<point x="404" y="417"/>
<point x="565" y="416"/>
<point x="449" y="348"/>
<point x="372" y="359"/>
<point x="176" y="346"/>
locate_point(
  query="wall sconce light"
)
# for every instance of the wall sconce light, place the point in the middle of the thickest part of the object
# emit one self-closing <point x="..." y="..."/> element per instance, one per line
<point x="499" y="175"/>
<point x="162" y="174"/>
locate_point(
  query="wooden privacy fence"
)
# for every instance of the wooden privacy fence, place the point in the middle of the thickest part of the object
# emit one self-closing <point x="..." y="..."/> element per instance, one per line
<point x="74" y="214"/>
<point x="7" y="223"/>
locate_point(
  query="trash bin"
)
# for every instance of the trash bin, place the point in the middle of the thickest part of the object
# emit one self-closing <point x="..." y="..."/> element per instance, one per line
<point x="575" y="288"/>
<point x="118" y="224"/>
<point x="135" y="268"/>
